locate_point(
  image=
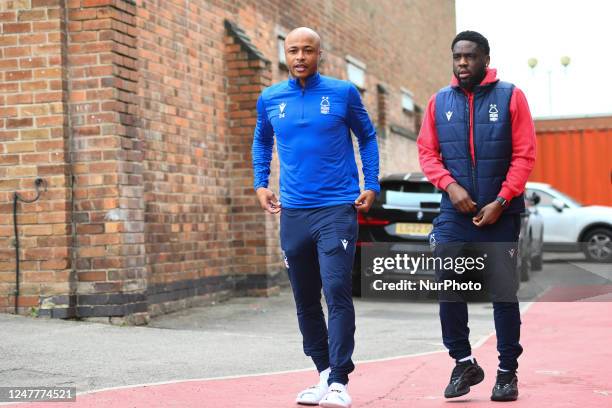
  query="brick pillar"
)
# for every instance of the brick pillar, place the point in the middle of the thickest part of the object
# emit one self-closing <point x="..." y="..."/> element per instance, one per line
<point x="254" y="234"/>
<point x="33" y="134"/>
<point x="381" y="102"/>
<point x="107" y="159"/>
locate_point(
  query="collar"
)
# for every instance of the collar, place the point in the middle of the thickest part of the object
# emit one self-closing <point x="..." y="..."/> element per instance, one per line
<point x="311" y="81"/>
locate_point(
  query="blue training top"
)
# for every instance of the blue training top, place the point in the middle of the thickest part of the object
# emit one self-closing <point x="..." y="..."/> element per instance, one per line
<point x="312" y="127"/>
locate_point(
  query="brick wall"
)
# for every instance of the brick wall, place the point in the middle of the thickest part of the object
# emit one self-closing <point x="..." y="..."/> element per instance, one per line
<point x="34" y="143"/>
<point x="139" y="116"/>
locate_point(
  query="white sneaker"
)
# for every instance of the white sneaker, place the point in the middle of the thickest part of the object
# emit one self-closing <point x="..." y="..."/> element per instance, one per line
<point x="312" y="395"/>
<point x="336" y="397"/>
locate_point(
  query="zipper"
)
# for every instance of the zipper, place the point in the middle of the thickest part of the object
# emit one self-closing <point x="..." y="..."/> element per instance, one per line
<point x="469" y="150"/>
<point x="467" y="138"/>
<point x="303" y="91"/>
<point x="474" y="168"/>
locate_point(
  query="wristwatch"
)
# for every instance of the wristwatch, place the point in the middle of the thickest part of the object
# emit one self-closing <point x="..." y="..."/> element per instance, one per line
<point x="502" y="201"/>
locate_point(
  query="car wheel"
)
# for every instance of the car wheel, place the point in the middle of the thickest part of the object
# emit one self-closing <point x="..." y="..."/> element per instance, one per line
<point x="597" y="245"/>
<point x="525" y="268"/>
<point x="536" y="262"/>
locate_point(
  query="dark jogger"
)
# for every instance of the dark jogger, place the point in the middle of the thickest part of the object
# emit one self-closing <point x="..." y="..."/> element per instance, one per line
<point x="319" y="249"/>
<point x="454" y="235"/>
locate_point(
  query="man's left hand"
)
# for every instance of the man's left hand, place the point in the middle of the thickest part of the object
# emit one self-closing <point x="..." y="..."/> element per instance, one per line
<point x="365" y="201"/>
<point x="489" y="214"/>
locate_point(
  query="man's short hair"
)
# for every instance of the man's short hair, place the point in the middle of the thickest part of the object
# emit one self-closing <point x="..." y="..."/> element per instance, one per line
<point x="475" y="37"/>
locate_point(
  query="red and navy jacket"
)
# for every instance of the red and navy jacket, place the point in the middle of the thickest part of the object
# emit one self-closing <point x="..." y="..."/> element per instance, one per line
<point x="484" y="140"/>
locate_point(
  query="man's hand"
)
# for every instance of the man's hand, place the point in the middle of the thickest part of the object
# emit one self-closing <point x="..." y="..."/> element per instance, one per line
<point x="268" y="201"/>
<point x="489" y="214"/>
<point x="365" y="201"/>
<point x="460" y="198"/>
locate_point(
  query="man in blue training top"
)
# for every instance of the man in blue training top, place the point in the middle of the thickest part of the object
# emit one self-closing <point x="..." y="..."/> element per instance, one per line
<point x="311" y="116"/>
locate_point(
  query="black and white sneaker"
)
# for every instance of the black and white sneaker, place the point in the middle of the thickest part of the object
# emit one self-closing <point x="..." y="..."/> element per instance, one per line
<point x="506" y="386"/>
<point x="464" y="375"/>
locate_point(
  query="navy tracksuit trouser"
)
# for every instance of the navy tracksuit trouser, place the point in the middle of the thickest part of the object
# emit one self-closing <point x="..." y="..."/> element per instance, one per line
<point x="319" y="249"/>
<point x="454" y="235"/>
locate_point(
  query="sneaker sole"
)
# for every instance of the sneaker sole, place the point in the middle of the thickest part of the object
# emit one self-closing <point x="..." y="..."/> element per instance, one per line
<point x="459" y="394"/>
<point x="504" y="399"/>
<point x="333" y="405"/>
<point x="310" y="404"/>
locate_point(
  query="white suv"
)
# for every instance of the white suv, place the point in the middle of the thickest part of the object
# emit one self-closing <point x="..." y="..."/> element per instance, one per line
<point x="570" y="226"/>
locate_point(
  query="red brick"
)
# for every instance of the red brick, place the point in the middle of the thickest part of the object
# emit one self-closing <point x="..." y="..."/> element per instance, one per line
<point x="46" y="3"/>
<point x="81" y="14"/>
<point x="91" y="276"/>
<point x="50" y="121"/>
<point x="55" y="264"/>
<point x="52" y="25"/>
<point x="50" y="145"/>
<point x="47" y="49"/>
<point x="8" y="40"/>
<point x="37" y="277"/>
<point x="91" y="252"/>
<point x="16" y="52"/>
<point x="37" y="229"/>
<point x="38" y="253"/>
<point x="33" y="38"/>
<point x="9" y="28"/>
<point x="19" y="123"/>
<point x="48" y="97"/>
<point x="30" y="15"/>
<point x="34" y="86"/>
<point x="8" y="112"/>
<point x="9" y="159"/>
<point x="8" y="16"/>
<point x="96" y="3"/>
<point x="29" y="301"/>
<point x="97" y="24"/>
<point x="8" y="135"/>
<point x="19" y="99"/>
<point x="32" y="62"/>
<point x="19" y="147"/>
<point x="47" y="73"/>
<point x="8" y="63"/>
<point x="33" y="134"/>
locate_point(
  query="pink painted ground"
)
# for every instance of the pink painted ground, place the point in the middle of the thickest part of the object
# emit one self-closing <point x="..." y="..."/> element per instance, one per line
<point x="567" y="363"/>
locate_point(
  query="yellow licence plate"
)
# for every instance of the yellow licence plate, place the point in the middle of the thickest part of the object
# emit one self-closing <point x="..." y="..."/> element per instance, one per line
<point x="412" y="228"/>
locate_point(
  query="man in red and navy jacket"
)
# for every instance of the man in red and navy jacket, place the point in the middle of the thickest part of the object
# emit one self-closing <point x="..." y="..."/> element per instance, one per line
<point x="477" y="144"/>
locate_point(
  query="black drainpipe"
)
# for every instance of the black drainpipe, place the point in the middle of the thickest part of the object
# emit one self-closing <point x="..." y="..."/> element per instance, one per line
<point x="16" y="198"/>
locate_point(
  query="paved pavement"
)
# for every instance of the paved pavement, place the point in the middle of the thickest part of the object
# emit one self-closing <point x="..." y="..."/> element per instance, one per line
<point x="250" y="336"/>
<point x="241" y="336"/>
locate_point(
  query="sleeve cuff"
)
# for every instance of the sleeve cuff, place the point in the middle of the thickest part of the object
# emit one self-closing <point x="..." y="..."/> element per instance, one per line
<point x="506" y="194"/>
<point x="374" y="188"/>
<point x="260" y="185"/>
<point x="445" y="182"/>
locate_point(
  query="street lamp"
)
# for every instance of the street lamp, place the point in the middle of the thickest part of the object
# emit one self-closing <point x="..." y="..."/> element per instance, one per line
<point x="533" y="62"/>
<point x="565" y="61"/>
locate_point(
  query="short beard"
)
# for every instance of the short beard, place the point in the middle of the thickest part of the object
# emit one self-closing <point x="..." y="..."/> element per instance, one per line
<point x="472" y="82"/>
